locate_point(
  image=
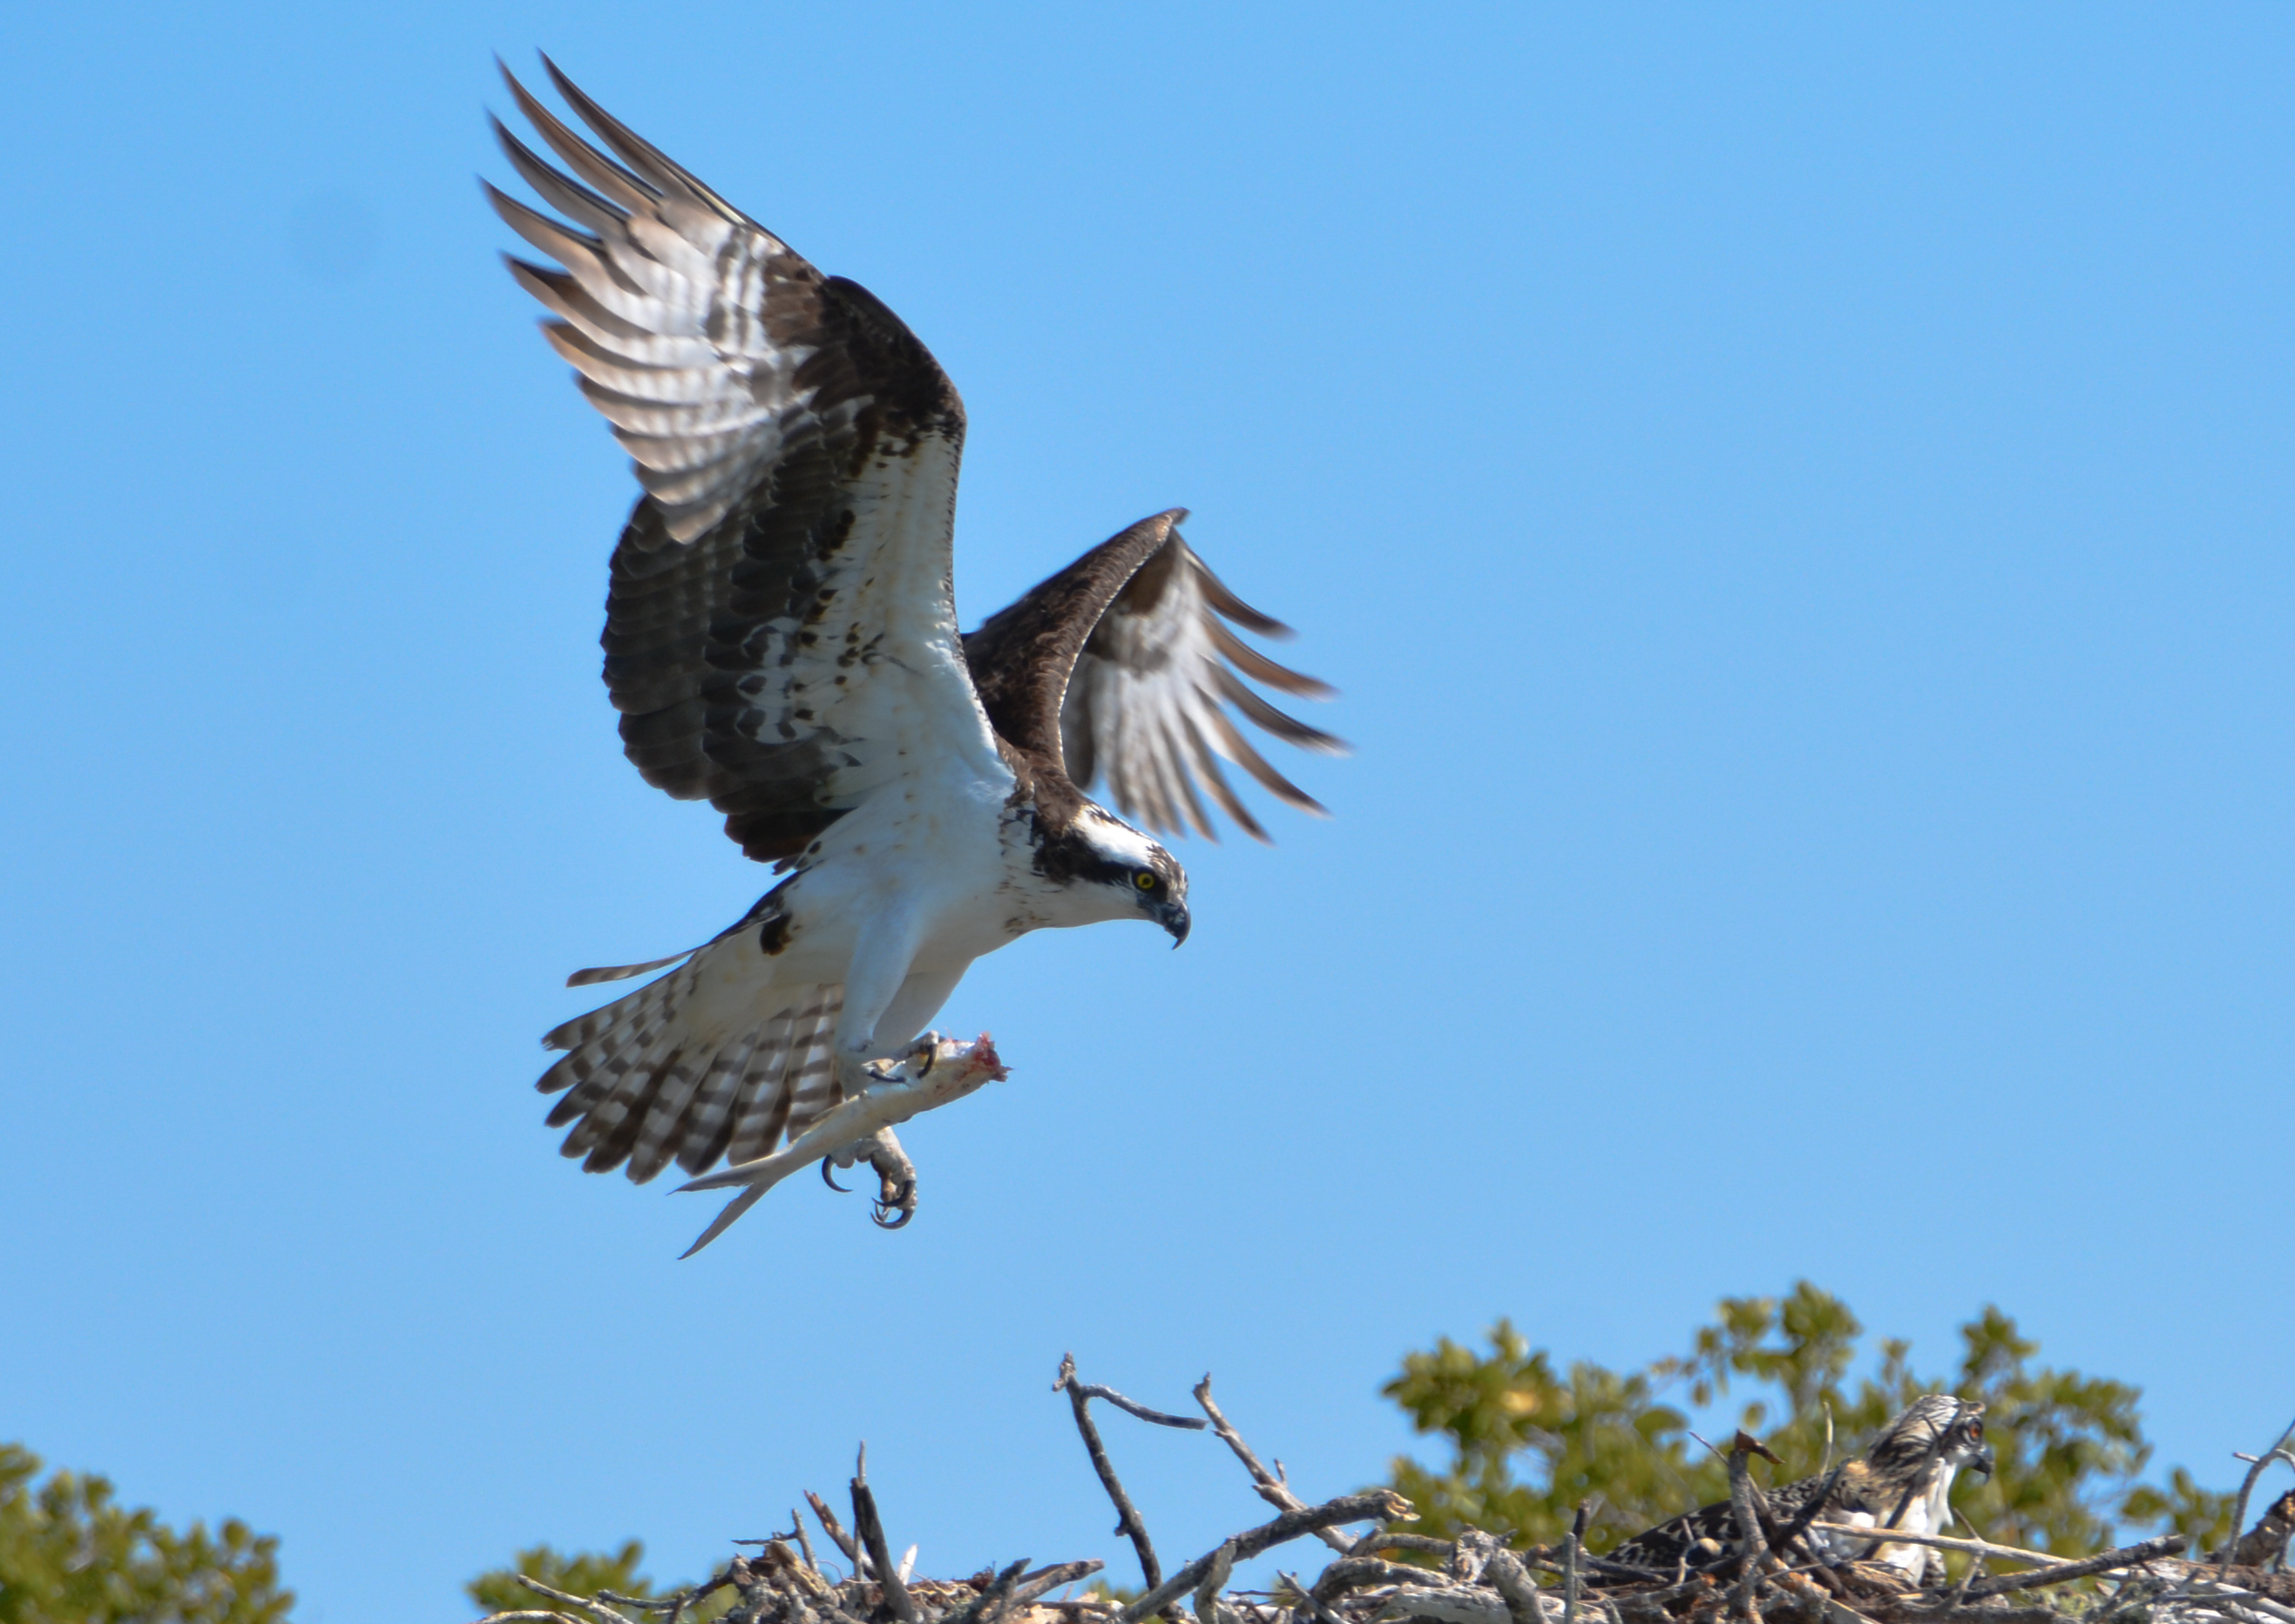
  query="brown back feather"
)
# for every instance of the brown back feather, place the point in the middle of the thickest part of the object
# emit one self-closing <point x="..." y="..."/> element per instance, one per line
<point x="1022" y="658"/>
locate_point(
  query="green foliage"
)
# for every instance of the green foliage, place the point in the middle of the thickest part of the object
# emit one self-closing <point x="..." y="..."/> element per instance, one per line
<point x="584" y="1573"/>
<point x="2202" y="1515"/>
<point x="70" y="1554"/>
<point x="1528" y="1446"/>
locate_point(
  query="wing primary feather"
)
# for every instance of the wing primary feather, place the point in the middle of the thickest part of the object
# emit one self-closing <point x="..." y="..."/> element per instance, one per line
<point x="1216" y="594"/>
<point x="635" y="151"/>
<point x="568" y="196"/>
<point x="1237" y="749"/>
<point x="1195" y="812"/>
<point x="1221" y="792"/>
<point x="1288" y="729"/>
<point x="795" y="443"/>
<point x="1179" y="789"/>
<point x="562" y="243"/>
<point x="1256" y="665"/>
<point x="599" y="170"/>
<point x="563" y="296"/>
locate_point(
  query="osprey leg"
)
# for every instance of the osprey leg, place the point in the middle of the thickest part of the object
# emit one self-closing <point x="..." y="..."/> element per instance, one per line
<point x="896" y="1180"/>
<point x="936" y="1072"/>
<point x="896" y="1175"/>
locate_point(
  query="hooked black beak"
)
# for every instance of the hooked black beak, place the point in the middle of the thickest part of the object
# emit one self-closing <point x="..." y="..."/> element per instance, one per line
<point x="1983" y="1462"/>
<point x="1173" y="917"/>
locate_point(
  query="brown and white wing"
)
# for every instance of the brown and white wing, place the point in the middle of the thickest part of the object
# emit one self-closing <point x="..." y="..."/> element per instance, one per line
<point x="781" y="636"/>
<point x="1146" y="704"/>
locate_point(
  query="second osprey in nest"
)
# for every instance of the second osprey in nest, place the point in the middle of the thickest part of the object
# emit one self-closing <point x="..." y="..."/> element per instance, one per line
<point x="1902" y="1481"/>
<point x="781" y="640"/>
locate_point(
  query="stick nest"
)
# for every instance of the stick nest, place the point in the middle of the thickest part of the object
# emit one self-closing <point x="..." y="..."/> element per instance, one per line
<point x="1380" y="1575"/>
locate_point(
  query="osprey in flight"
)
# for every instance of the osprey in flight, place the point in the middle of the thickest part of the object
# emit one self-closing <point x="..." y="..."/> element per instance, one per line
<point x="780" y="638"/>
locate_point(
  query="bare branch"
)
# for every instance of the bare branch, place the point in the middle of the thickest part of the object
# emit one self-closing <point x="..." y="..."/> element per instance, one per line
<point x="1749" y="1529"/>
<point x="2240" y="1596"/>
<point x="1014" y="1587"/>
<point x="1386" y="1540"/>
<point x="1033" y="1585"/>
<point x="835" y="1530"/>
<point x="1358" y="1573"/>
<point x="1573" y="1546"/>
<point x="596" y="1610"/>
<point x="2121" y="1556"/>
<point x="1308" y="1599"/>
<point x="1452" y="1604"/>
<point x="869" y="1531"/>
<point x="1127" y="1515"/>
<point x="676" y="1601"/>
<point x="2278" y="1451"/>
<point x="991" y="1600"/>
<point x="1906" y="1609"/>
<point x="1214" y="1581"/>
<point x="1271" y="1489"/>
<point x="1978" y="1547"/>
<point x="1508" y="1576"/>
<point x="1130" y="1406"/>
<point x="1380" y="1505"/>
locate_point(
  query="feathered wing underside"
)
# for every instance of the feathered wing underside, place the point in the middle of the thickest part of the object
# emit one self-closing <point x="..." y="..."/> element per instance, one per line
<point x="645" y="1085"/>
<point x="1125" y="663"/>
<point x="781" y="634"/>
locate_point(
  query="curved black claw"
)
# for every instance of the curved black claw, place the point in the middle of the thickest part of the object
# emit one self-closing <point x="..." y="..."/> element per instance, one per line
<point x="829" y="1179"/>
<point x="900" y="1199"/>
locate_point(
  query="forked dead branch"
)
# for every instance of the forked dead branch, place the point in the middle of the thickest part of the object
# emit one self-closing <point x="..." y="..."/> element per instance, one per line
<point x="1783" y="1570"/>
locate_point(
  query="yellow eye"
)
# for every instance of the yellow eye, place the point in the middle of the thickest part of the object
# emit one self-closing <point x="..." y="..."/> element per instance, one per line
<point x="1144" y="880"/>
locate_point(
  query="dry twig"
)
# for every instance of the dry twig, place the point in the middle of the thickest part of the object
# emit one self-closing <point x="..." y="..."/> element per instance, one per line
<point x="1749" y="1527"/>
<point x="1214" y="1581"/>
<point x="1361" y="1572"/>
<point x="2120" y="1556"/>
<point x="1271" y="1488"/>
<point x="869" y="1531"/>
<point x="595" y="1609"/>
<point x="2278" y="1451"/>
<point x="1127" y="1515"/>
<point x="835" y="1530"/>
<point x="1508" y="1578"/>
<point x="1572" y="1550"/>
<point x="1379" y="1504"/>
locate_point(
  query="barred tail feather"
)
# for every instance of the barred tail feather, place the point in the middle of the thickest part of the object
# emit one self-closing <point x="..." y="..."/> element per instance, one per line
<point x="643" y="1087"/>
<point x="623" y="972"/>
<point x="708" y="1126"/>
<point x="772" y="1089"/>
<point x="813" y="1083"/>
<point x="665" y="1104"/>
<point x="653" y="996"/>
<point x="670" y="1121"/>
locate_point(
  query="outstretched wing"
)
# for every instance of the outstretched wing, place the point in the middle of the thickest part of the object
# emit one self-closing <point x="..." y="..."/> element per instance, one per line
<point x="1145" y="703"/>
<point x="780" y="635"/>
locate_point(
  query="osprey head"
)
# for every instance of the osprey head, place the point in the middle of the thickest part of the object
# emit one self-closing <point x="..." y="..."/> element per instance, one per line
<point x="1937" y="1427"/>
<point x="1117" y="871"/>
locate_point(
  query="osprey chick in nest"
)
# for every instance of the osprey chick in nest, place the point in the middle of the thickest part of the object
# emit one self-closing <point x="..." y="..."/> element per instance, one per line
<point x="781" y="640"/>
<point x="1902" y="1481"/>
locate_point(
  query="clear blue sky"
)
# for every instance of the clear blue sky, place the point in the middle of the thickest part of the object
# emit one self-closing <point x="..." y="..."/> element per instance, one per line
<point x="1797" y="500"/>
